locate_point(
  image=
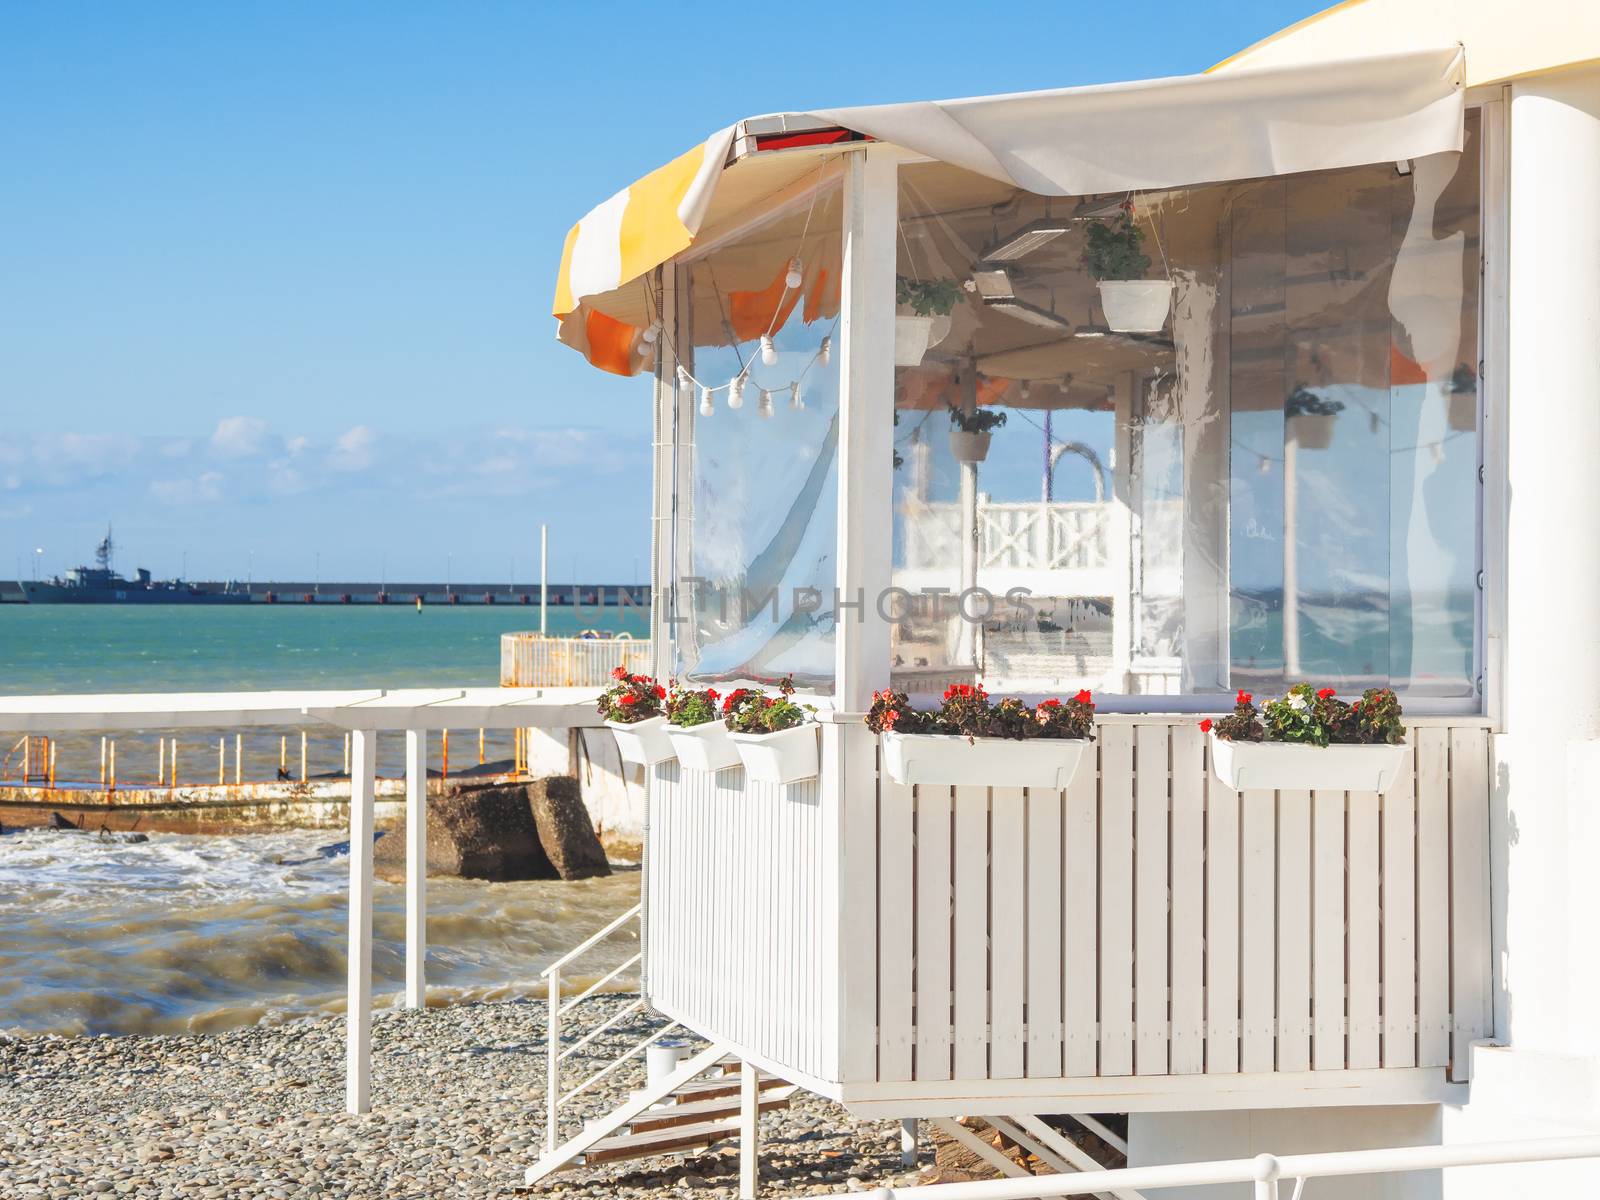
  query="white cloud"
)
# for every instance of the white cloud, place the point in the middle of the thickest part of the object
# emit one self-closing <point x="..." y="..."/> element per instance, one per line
<point x="355" y="449"/>
<point x="298" y="444"/>
<point x="239" y="437"/>
<point x="206" y="488"/>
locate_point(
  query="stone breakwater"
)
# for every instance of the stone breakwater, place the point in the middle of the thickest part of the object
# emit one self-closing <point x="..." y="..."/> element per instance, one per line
<point x="458" y="1099"/>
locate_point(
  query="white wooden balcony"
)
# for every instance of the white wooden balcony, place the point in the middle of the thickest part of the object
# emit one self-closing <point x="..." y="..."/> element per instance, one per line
<point x="1146" y="940"/>
<point x="1058" y="548"/>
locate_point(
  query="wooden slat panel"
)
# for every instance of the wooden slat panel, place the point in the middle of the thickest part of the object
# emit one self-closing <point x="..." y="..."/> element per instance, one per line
<point x="933" y="932"/>
<point x="1008" y="923"/>
<point x="971" y="932"/>
<point x="1469" y="896"/>
<point x="1187" y="1052"/>
<point x="1433" y="898"/>
<point x="1257" y="931"/>
<point x="1151" y="754"/>
<point x="1364" y="933"/>
<point x="1222" y="925"/>
<point x="895" y="930"/>
<point x="1080" y="920"/>
<point x="1327" y="930"/>
<point x="1399" y="851"/>
<point x="1294" y="931"/>
<point x="1116" y="900"/>
<point x="857" y="892"/>
<point x="1045" y="891"/>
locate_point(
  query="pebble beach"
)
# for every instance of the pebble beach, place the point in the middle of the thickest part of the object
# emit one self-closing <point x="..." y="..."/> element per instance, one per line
<point x="457" y="1111"/>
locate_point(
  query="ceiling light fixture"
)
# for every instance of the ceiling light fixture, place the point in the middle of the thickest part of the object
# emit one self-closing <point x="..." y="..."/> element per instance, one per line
<point x="994" y="283"/>
<point x="1022" y="242"/>
<point x="1031" y="313"/>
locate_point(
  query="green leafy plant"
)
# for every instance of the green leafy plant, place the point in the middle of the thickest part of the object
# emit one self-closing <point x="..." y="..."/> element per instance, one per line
<point x="748" y="711"/>
<point x="630" y="698"/>
<point x="979" y="420"/>
<point x="688" y="707"/>
<point x="1303" y="402"/>
<point x="927" y="297"/>
<point x="965" y="710"/>
<point x="1310" y="716"/>
<point x="1115" y="250"/>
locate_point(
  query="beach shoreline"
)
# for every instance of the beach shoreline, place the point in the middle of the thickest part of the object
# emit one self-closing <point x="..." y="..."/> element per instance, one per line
<point x="457" y="1110"/>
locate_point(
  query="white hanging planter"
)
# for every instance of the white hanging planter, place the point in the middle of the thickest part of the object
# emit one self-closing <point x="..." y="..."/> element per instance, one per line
<point x="1274" y="766"/>
<point x="643" y="742"/>
<point x="969" y="447"/>
<point x="1136" y="305"/>
<point x="1312" y="431"/>
<point x="703" y="747"/>
<point x="948" y="758"/>
<point x="788" y="756"/>
<point x="914" y="336"/>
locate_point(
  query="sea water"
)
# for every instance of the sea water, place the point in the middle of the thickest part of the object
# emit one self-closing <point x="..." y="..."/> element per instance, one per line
<point x="198" y="933"/>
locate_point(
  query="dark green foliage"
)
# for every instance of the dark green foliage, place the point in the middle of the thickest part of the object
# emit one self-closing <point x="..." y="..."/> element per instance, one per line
<point x="1115" y="250"/>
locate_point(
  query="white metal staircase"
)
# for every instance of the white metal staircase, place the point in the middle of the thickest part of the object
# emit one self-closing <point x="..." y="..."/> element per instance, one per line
<point x="675" y="1113"/>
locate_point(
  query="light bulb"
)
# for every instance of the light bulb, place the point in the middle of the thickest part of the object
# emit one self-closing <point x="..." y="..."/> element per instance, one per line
<point x="769" y="352"/>
<point x="647" y="356"/>
<point x="706" y="406"/>
<point x="1025" y="390"/>
<point x="795" y="399"/>
<point x="736" y="392"/>
<point x="825" y="351"/>
<point x="1264" y="466"/>
<point x="765" y="405"/>
<point x="794" y="278"/>
<point x="651" y="331"/>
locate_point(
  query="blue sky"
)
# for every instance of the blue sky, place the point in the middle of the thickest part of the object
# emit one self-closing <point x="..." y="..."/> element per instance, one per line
<point x="275" y="278"/>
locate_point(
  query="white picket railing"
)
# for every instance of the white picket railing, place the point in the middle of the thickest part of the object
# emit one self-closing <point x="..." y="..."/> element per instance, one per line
<point x="1029" y="536"/>
<point x="529" y="660"/>
<point x="559" y="1007"/>
<point x="1264" y="1171"/>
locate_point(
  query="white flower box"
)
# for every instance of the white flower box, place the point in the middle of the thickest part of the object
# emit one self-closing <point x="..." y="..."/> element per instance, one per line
<point x="948" y="758"/>
<point x="643" y="742"/>
<point x="703" y="747"/>
<point x="788" y="756"/>
<point x="1275" y="766"/>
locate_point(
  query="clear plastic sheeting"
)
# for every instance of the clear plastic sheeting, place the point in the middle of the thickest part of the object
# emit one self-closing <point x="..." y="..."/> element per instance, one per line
<point x="756" y="559"/>
<point x="1239" y="445"/>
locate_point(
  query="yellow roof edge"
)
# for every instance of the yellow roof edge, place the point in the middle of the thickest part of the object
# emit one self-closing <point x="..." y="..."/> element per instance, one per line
<point x="1283" y="33"/>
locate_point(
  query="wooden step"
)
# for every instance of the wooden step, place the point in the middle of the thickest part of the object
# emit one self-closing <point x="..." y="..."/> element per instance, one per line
<point x="659" y="1141"/>
<point x="721" y="1085"/>
<point x="705" y="1110"/>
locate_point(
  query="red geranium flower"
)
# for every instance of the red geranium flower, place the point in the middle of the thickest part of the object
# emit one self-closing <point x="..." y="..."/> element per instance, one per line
<point x="1244" y="697"/>
<point x="627" y="699"/>
<point x="619" y="673"/>
<point x="661" y="692"/>
<point x="1205" y="726"/>
<point x="1084" y="697"/>
<point x="1051" y="703"/>
<point x="1324" y="693"/>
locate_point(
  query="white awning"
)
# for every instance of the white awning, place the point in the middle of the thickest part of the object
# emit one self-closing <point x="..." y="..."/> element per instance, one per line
<point x="1190" y="129"/>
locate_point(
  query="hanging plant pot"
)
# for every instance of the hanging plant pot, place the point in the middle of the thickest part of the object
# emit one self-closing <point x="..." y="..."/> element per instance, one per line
<point x="1274" y="766"/>
<point x="912" y="337"/>
<point x="642" y="742"/>
<point x="951" y="759"/>
<point x="969" y="447"/>
<point x="1462" y="412"/>
<point x="1136" y="305"/>
<point x="703" y="747"/>
<point x="1312" y="431"/>
<point x="788" y="756"/>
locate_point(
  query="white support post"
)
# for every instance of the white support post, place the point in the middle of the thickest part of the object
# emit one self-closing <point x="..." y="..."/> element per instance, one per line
<point x="866" y="424"/>
<point x="416" y="868"/>
<point x="552" y="1070"/>
<point x="908" y="1142"/>
<point x="358" y="1010"/>
<point x="749" y="1132"/>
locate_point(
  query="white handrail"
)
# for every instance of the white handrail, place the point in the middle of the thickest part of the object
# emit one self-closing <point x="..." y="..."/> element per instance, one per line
<point x="1265" y="1170"/>
<point x="591" y="942"/>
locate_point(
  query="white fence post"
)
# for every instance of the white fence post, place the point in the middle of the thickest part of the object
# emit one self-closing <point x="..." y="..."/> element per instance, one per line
<point x="416" y="868"/>
<point x="358" y="1014"/>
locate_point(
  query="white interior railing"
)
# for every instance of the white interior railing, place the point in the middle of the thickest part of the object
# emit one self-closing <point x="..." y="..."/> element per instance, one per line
<point x="1265" y="1170"/>
<point x="560" y="1006"/>
<point x="529" y="660"/>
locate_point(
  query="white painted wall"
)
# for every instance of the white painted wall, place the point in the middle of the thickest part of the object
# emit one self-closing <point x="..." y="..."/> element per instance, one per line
<point x="1155" y="1138"/>
<point x="1546" y="823"/>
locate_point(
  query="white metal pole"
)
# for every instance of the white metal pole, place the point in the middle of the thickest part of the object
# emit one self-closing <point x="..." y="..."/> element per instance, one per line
<point x="908" y="1142"/>
<point x="749" y="1132"/>
<point x="552" y="1067"/>
<point x="1291" y="556"/>
<point x="358" y="1010"/>
<point x="416" y="867"/>
<point x="544" y="577"/>
<point x="238" y="758"/>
